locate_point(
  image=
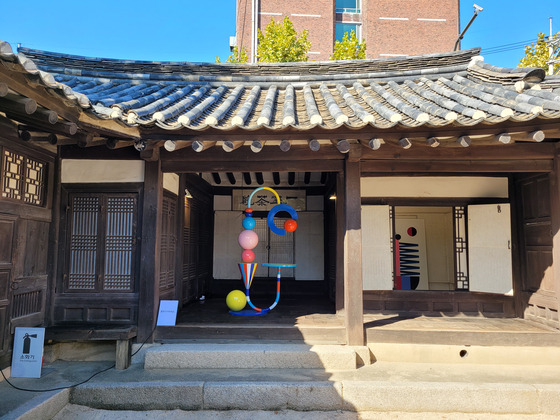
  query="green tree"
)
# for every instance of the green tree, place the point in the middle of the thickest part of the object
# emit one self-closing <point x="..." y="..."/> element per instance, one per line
<point x="537" y="54"/>
<point x="236" y="56"/>
<point x="280" y="43"/>
<point x="350" y="48"/>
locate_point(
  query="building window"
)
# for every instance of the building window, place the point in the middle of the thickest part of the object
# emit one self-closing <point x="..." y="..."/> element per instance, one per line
<point x="23" y="178"/>
<point x="348" y="6"/>
<point x="101" y="242"/>
<point x="342" y="28"/>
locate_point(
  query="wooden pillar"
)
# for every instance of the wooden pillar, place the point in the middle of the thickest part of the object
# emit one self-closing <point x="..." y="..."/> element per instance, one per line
<point x="555" y="223"/>
<point x="179" y="245"/>
<point x="150" y="246"/>
<point x="340" y="231"/>
<point x="353" y="287"/>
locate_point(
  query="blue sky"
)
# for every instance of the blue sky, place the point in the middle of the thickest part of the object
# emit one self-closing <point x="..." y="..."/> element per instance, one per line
<point x="187" y="30"/>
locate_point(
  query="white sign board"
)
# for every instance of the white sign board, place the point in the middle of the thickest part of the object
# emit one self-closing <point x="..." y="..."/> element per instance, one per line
<point x="264" y="200"/>
<point x="27" y="357"/>
<point x="167" y="315"/>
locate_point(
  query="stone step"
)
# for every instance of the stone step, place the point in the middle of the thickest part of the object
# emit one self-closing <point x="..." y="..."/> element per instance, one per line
<point x="253" y="356"/>
<point x="309" y="334"/>
<point x="391" y="388"/>
<point x="465" y="354"/>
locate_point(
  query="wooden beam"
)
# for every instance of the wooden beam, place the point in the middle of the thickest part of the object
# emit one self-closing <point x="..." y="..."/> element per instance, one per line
<point x="150" y="155"/>
<point x="285" y="145"/>
<point x="343" y="146"/>
<point x="314" y="145"/>
<point x="50" y="138"/>
<point x="109" y="128"/>
<point x="253" y="166"/>
<point x="199" y="146"/>
<point x="64" y="128"/>
<point x="432" y="141"/>
<point x="230" y="146"/>
<point x="150" y="251"/>
<point x="425" y="152"/>
<point x="405" y="143"/>
<point x="118" y="144"/>
<point x="353" y="286"/>
<point x="17" y="104"/>
<point x="504" y="138"/>
<point x="464" y="141"/>
<point x="3" y="89"/>
<point x="19" y="83"/>
<point x="257" y="146"/>
<point x="447" y="166"/>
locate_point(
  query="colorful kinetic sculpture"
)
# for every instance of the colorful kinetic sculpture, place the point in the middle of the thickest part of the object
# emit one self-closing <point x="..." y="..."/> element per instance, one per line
<point x="248" y="240"/>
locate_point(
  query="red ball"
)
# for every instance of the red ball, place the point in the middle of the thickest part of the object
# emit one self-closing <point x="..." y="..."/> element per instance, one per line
<point x="248" y="256"/>
<point x="290" y="225"/>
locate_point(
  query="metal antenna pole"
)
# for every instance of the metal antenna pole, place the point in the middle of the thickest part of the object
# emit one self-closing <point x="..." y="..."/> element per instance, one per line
<point x="477" y="10"/>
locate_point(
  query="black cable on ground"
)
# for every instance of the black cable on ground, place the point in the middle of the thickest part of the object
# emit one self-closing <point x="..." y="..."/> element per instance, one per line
<point x="80" y="383"/>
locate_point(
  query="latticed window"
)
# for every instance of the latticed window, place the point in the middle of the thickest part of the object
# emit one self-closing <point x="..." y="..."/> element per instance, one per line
<point x="101" y="242"/>
<point x="23" y="178"/>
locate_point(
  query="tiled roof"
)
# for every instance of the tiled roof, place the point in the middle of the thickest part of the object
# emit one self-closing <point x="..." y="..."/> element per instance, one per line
<point x="436" y="90"/>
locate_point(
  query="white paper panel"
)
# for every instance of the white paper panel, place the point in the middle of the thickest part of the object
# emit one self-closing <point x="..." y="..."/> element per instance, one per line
<point x="227" y="252"/>
<point x="489" y="230"/>
<point x="310" y="247"/>
<point x="377" y="263"/>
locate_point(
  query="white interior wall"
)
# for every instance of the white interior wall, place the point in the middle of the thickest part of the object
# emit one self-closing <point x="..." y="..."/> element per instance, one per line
<point x="91" y="170"/>
<point x="435" y="186"/>
<point x="310" y="246"/>
<point x="171" y="182"/>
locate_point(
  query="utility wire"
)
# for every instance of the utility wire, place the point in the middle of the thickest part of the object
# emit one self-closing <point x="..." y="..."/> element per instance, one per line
<point x="80" y="383"/>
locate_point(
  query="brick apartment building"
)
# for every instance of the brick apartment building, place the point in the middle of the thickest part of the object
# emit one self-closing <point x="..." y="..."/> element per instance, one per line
<point x="390" y="27"/>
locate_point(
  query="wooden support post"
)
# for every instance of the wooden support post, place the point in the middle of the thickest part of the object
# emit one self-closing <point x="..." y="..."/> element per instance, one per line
<point x="122" y="360"/>
<point x="555" y="222"/>
<point x="353" y="287"/>
<point x="340" y="230"/>
<point x="150" y="252"/>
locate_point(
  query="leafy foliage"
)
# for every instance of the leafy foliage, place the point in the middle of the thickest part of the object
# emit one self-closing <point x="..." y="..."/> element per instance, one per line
<point x="350" y="48"/>
<point x="236" y="56"/>
<point x="280" y="43"/>
<point x="537" y="55"/>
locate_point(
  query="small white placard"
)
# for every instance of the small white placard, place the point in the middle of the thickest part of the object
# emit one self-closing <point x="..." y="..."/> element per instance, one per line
<point x="27" y="357"/>
<point x="167" y="315"/>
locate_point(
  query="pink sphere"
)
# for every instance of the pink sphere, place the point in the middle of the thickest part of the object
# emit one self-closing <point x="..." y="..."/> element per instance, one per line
<point x="248" y="256"/>
<point x="248" y="239"/>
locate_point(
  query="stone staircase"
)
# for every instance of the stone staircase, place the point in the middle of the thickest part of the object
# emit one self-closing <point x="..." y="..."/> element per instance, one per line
<point x="328" y="378"/>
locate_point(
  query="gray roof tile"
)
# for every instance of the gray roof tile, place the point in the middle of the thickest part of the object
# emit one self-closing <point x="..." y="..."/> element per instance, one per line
<point x="434" y="90"/>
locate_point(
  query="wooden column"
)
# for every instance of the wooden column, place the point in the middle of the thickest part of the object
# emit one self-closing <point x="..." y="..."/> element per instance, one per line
<point x="353" y="288"/>
<point x="340" y="231"/>
<point x="149" y="259"/>
<point x="555" y="223"/>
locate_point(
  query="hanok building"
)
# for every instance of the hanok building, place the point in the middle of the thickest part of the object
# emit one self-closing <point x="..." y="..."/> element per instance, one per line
<point x="123" y="183"/>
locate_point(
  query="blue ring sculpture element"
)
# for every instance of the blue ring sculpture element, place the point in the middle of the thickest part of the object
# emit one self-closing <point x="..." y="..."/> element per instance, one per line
<point x="272" y="213"/>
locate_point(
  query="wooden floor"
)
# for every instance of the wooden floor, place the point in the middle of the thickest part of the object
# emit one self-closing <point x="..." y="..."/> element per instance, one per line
<point x="315" y="321"/>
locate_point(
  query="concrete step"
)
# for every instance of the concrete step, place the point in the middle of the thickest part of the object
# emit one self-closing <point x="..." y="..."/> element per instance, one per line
<point x="253" y="356"/>
<point x="381" y="387"/>
<point x="309" y="334"/>
<point x="465" y="354"/>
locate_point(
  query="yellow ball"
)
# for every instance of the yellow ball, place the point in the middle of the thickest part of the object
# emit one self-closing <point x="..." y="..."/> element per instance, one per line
<point x="236" y="300"/>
